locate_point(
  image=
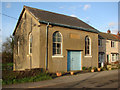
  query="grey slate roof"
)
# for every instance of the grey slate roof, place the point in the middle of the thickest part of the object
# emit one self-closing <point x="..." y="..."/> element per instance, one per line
<point x="59" y="19"/>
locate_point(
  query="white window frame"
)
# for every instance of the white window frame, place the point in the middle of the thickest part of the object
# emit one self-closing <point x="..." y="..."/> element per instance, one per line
<point x="115" y="57"/>
<point x="30" y="36"/>
<point x="100" y="42"/>
<point x="101" y="58"/>
<point x="61" y="43"/>
<point x="112" y="44"/>
<point x="88" y="55"/>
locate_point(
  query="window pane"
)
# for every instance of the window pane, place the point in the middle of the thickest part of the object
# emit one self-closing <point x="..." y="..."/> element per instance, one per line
<point x="88" y="42"/>
<point x="113" y="44"/>
<point x="88" y="51"/>
<point x="99" y="42"/>
<point x="54" y="51"/>
<point x="54" y="39"/>
<point x="30" y="50"/>
<point x="59" y="39"/>
<point x="30" y="39"/>
<point x="59" y="35"/>
<point x="54" y="35"/>
<point x="99" y="57"/>
<point x="58" y="45"/>
<point x="54" y="45"/>
<point x="30" y="58"/>
<point x="58" y="51"/>
<point x="87" y="47"/>
<point x="30" y="44"/>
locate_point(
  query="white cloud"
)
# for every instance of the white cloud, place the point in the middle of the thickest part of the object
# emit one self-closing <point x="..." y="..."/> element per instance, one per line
<point x="87" y="6"/>
<point x="115" y="31"/>
<point x="8" y="5"/>
<point x="112" y="24"/>
<point x="73" y="15"/>
<point x="80" y="5"/>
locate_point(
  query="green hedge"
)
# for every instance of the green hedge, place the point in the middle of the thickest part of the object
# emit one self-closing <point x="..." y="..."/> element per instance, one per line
<point x="12" y="77"/>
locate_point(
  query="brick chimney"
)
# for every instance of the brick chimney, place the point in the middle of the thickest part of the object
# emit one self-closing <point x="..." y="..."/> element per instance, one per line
<point x="118" y="33"/>
<point x="108" y="31"/>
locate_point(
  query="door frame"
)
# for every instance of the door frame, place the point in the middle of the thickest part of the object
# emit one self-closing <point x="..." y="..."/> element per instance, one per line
<point x="74" y="50"/>
<point x="108" y="58"/>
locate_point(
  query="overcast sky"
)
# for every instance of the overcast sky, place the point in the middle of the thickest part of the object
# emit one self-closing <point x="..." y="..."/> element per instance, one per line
<point x="100" y="15"/>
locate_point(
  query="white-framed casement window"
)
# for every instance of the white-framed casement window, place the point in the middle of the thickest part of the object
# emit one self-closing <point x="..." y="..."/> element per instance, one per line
<point x="87" y="46"/>
<point x="101" y="57"/>
<point x="57" y="44"/>
<point x="18" y="47"/>
<point x="30" y="43"/>
<point x="114" y="57"/>
<point x="99" y="42"/>
<point x="112" y="44"/>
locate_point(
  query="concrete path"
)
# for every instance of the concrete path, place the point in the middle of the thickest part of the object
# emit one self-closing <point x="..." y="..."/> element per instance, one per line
<point x="65" y="80"/>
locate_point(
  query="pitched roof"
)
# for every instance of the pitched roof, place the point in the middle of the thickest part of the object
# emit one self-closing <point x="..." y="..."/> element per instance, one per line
<point x="52" y="17"/>
<point x="108" y="36"/>
<point x="118" y="37"/>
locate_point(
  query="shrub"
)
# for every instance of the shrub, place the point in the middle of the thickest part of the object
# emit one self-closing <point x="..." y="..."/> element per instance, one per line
<point x="11" y="77"/>
<point x="95" y="69"/>
<point x="118" y="66"/>
<point x="84" y="68"/>
<point x="103" y="68"/>
<point x="89" y="69"/>
<point x="113" y="68"/>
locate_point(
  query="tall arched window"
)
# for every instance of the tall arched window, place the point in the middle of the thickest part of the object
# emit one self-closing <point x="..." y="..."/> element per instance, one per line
<point x="18" y="47"/>
<point x="57" y="43"/>
<point x="87" y="46"/>
<point x="30" y="43"/>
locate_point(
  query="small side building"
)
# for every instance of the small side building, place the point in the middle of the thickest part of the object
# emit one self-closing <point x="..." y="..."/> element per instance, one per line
<point x="108" y="48"/>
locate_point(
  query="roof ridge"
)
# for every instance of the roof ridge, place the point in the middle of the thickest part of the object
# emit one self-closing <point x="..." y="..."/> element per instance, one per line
<point x="108" y="33"/>
<point x="51" y="12"/>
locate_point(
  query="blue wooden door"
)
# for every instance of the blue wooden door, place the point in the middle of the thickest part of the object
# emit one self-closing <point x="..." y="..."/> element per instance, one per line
<point x="74" y="60"/>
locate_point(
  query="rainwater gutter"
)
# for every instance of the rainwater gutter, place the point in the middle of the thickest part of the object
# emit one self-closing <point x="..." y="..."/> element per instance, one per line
<point x="68" y="26"/>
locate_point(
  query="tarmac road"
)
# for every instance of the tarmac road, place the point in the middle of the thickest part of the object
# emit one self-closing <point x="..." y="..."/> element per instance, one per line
<point x="104" y="79"/>
<point x="95" y="81"/>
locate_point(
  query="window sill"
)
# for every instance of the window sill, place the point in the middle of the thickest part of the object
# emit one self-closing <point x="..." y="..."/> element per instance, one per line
<point x="112" y="47"/>
<point x="113" y="61"/>
<point x="87" y="56"/>
<point x="57" y="56"/>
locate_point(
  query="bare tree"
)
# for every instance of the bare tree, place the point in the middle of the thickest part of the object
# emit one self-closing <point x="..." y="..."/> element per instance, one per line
<point x="7" y="50"/>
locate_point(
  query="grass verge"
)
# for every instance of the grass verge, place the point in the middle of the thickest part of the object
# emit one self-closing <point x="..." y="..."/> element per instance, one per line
<point x="12" y="77"/>
<point x="15" y="79"/>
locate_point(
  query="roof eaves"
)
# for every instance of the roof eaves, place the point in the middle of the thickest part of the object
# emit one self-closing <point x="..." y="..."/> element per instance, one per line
<point x="112" y="39"/>
<point x="68" y="26"/>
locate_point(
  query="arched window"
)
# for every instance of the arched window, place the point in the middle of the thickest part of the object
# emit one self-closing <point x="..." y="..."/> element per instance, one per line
<point x="30" y="43"/>
<point x="87" y="46"/>
<point x="18" y="47"/>
<point x="57" y="43"/>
